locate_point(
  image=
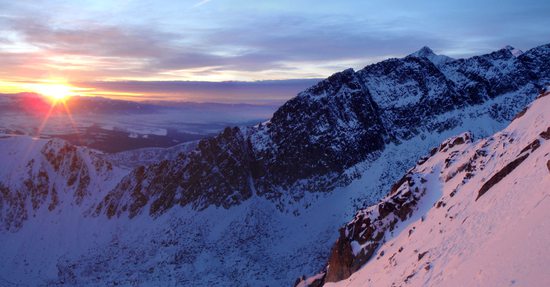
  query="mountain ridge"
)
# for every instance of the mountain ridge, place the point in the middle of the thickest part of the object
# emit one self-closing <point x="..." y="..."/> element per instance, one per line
<point x="313" y="136"/>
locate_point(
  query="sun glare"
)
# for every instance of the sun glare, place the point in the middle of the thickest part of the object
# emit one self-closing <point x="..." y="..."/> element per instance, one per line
<point x="54" y="91"/>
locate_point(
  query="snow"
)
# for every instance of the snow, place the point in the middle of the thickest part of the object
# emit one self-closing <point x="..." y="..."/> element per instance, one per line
<point x="434" y="187"/>
<point x="310" y="280"/>
<point x="47" y="236"/>
<point x="355" y="247"/>
<point x="499" y="240"/>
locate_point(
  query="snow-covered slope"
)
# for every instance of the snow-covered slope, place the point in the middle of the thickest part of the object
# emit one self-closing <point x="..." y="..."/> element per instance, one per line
<point x="468" y="214"/>
<point x="39" y="176"/>
<point x="48" y="187"/>
<point x="148" y="156"/>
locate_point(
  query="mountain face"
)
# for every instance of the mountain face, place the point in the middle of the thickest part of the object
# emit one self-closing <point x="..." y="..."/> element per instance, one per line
<point x="216" y="172"/>
<point x="468" y="213"/>
<point x="256" y="205"/>
<point x="41" y="174"/>
<point x="313" y="139"/>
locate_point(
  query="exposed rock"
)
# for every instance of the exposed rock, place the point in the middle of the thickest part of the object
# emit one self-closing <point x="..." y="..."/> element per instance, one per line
<point x="520" y="114"/>
<point x="497" y="177"/>
<point x="58" y="169"/>
<point x="341" y="262"/>
<point x="421" y="255"/>
<point x="360" y="238"/>
<point x="66" y="160"/>
<point x="214" y="174"/>
<point x="532" y="146"/>
<point x="314" y="282"/>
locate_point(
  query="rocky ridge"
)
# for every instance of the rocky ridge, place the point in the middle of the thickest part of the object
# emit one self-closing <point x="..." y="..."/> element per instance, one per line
<point x="315" y="138"/>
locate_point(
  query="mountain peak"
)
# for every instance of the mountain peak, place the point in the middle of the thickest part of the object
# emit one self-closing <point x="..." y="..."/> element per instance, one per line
<point x="423" y="52"/>
<point x="514" y="51"/>
<point x="428" y="53"/>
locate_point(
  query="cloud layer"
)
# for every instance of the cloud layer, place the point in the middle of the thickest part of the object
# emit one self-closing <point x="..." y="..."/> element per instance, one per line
<point x="273" y="92"/>
<point x="96" y="41"/>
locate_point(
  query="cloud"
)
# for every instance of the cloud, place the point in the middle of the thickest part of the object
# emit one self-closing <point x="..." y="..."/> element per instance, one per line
<point x="127" y="51"/>
<point x="258" y="92"/>
<point x="201" y="3"/>
<point x="244" y="40"/>
<point x="91" y="39"/>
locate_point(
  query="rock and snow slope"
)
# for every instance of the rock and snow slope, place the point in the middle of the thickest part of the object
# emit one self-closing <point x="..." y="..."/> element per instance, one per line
<point x="41" y="176"/>
<point x="469" y="214"/>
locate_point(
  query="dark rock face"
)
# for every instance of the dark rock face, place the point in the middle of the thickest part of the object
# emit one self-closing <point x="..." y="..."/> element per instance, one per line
<point x="497" y="177"/>
<point x="309" y="136"/>
<point x="12" y="208"/>
<point x="344" y="120"/>
<point x="218" y="172"/>
<point x="66" y="161"/>
<point x="537" y="60"/>
<point x="407" y="91"/>
<point x="485" y="77"/>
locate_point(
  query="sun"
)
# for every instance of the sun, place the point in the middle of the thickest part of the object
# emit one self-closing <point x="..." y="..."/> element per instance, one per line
<point x="55" y="91"/>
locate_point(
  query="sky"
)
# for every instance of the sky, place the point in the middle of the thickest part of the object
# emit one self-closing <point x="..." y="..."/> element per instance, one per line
<point x="158" y="50"/>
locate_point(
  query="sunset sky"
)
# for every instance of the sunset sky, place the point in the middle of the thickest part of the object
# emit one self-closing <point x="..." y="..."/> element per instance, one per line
<point x="146" y="49"/>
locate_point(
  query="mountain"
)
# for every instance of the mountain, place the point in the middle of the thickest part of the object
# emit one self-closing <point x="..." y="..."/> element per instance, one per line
<point x="469" y="213"/>
<point x="258" y="204"/>
<point x="313" y="140"/>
